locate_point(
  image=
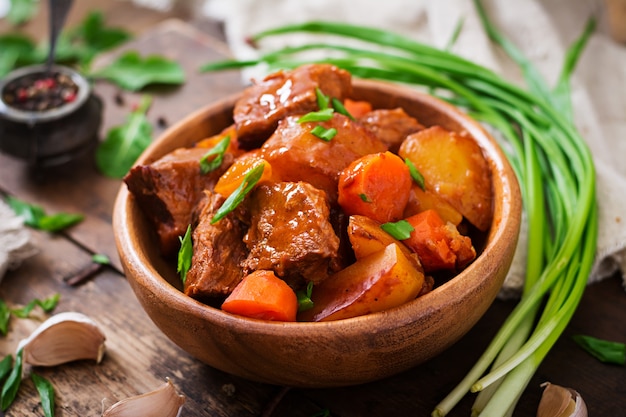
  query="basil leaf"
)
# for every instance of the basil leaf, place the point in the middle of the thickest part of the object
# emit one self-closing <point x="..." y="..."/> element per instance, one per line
<point x="251" y="178"/>
<point x="340" y="108"/>
<point x="31" y="213"/>
<point x="603" y="350"/>
<point x="46" y="393"/>
<point x="59" y="221"/>
<point x="415" y="174"/>
<point x="12" y="384"/>
<point x="218" y="151"/>
<point x="5" y="316"/>
<point x="5" y="367"/>
<point x="35" y="216"/>
<point x="304" y="298"/>
<point x="323" y="133"/>
<point x="132" y="72"/>
<point x="101" y="258"/>
<point x="123" y="144"/>
<point x="317" y="116"/>
<point x="22" y="11"/>
<point x="185" y="254"/>
<point x="400" y="230"/>
<point x="322" y="99"/>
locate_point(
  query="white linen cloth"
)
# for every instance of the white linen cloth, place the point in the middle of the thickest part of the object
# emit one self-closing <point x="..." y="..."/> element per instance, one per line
<point x="543" y="30"/>
<point x="15" y="240"/>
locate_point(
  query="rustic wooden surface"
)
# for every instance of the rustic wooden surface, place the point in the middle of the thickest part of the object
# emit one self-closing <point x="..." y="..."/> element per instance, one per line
<point x="139" y="358"/>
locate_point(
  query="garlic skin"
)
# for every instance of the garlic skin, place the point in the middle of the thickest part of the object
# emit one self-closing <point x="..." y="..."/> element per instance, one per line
<point x="64" y="337"/>
<point x="162" y="402"/>
<point x="558" y="401"/>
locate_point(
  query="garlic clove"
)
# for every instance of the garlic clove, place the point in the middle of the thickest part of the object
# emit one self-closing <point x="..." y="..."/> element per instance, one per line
<point x="64" y="337"/>
<point x="162" y="402"/>
<point x="558" y="401"/>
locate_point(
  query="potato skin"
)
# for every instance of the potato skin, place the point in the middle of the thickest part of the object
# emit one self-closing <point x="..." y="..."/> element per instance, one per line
<point x="380" y="281"/>
<point x="454" y="167"/>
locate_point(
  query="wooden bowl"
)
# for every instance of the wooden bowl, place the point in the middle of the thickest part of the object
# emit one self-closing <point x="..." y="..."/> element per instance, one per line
<point x="325" y="354"/>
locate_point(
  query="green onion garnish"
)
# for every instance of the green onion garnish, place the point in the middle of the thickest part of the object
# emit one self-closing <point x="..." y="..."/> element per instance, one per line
<point x="340" y="108"/>
<point x="323" y="133"/>
<point x="249" y="181"/>
<point x="185" y="253"/>
<point x="304" y="298"/>
<point x="218" y="151"/>
<point x="317" y="116"/>
<point x="322" y="99"/>
<point x="400" y="230"/>
<point x="415" y="174"/>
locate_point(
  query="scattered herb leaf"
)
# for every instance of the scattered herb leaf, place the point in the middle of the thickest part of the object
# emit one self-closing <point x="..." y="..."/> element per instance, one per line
<point x="124" y="143"/>
<point x="46" y="305"/>
<point x="12" y="384"/>
<point x="21" y="11"/>
<point x="322" y="99"/>
<point x="323" y="133"/>
<point x="341" y="109"/>
<point x="101" y="258"/>
<point x="5" y="367"/>
<point x="185" y="253"/>
<point x="17" y="50"/>
<point x="35" y="216"/>
<point x="400" y="230"/>
<point x="317" y="116"/>
<point x="415" y="174"/>
<point x="603" y="350"/>
<point x="46" y="393"/>
<point x="251" y="178"/>
<point x="132" y="72"/>
<point x="218" y="151"/>
<point x="5" y="316"/>
<point x="304" y="297"/>
<point x="365" y="198"/>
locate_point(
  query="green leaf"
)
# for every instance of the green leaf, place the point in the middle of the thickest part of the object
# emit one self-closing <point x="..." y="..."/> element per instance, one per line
<point x="15" y="50"/>
<point x="317" y="116"/>
<point x="12" y="384"/>
<point x="59" y="221"/>
<point x="35" y="216"/>
<point x="322" y="99"/>
<point x="5" y="367"/>
<point x="400" y="230"/>
<point x="415" y="174"/>
<point x="5" y="316"/>
<point x="217" y="151"/>
<point x="364" y="198"/>
<point x="123" y="144"/>
<point x="323" y="133"/>
<point x="46" y="305"/>
<point x="46" y="393"/>
<point x="340" y="108"/>
<point x="304" y="297"/>
<point x="251" y="178"/>
<point x="22" y="11"/>
<point x="101" y="258"/>
<point x="603" y="350"/>
<point x="185" y="253"/>
<point x="132" y="72"/>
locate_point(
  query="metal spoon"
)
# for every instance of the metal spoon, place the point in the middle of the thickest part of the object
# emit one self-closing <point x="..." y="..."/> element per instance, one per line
<point x="58" y="10"/>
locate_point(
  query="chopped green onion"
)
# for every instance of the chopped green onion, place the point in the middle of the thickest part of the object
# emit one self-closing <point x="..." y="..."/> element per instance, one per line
<point x="185" y="254"/>
<point x="603" y="350"/>
<point x="251" y="178"/>
<point x="46" y="305"/>
<point x="322" y="99"/>
<point x="101" y="258"/>
<point x="364" y="198"/>
<point x="46" y="393"/>
<point x="218" y="152"/>
<point x="341" y="109"/>
<point x="317" y="116"/>
<point x="415" y="174"/>
<point x="400" y="230"/>
<point x="323" y="133"/>
<point x="304" y="297"/>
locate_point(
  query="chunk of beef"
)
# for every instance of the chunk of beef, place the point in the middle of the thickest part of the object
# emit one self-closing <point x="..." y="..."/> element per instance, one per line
<point x="290" y="233"/>
<point x="168" y="190"/>
<point x="391" y="126"/>
<point x="218" y="251"/>
<point x="295" y="154"/>
<point x="284" y="93"/>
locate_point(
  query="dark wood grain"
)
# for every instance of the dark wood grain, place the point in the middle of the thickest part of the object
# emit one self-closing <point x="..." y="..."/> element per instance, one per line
<point x="139" y="357"/>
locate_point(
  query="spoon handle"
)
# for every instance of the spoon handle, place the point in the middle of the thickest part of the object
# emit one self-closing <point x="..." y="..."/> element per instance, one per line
<point x="58" y="10"/>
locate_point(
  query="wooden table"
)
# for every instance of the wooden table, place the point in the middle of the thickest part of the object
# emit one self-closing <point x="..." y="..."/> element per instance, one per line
<point x="139" y="358"/>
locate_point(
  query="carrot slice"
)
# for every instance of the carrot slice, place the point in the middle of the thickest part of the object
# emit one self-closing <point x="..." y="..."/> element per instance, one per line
<point x="376" y="186"/>
<point x="262" y="295"/>
<point x="357" y="108"/>
<point x="232" y="178"/>
<point x="211" y="141"/>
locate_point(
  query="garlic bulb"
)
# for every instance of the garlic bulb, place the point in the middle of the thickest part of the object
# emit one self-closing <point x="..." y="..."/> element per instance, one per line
<point x="64" y="337"/>
<point x="162" y="402"/>
<point x="557" y="401"/>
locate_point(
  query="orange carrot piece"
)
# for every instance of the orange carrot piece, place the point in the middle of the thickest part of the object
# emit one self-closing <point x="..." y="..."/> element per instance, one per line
<point x="262" y="295"/>
<point x="376" y="186"/>
<point x="232" y="178"/>
<point x="357" y="108"/>
<point x="211" y="141"/>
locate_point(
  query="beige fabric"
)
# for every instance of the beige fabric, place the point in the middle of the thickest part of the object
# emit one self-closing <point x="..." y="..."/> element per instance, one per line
<point x="542" y="29"/>
<point x="15" y="240"/>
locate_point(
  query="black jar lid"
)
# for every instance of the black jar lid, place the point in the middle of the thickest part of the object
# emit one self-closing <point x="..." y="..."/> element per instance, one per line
<point x="35" y="116"/>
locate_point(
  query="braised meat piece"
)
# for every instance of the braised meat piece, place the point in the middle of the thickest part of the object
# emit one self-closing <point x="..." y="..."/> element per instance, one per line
<point x="169" y="189"/>
<point x="218" y="251"/>
<point x="295" y="154"/>
<point x="290" y="233"/>
<point x="283" y="93"/>
<point x="391" y="126"/>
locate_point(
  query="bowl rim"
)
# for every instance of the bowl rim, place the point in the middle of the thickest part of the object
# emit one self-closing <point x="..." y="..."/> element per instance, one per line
<point x="507" y="202"/>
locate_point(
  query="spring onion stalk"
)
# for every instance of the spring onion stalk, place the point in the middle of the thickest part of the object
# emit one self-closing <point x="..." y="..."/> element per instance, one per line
<point x="550" y="158"/>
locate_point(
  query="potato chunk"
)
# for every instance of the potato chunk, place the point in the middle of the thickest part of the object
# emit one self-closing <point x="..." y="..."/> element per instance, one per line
<point x="378" y="282"/>
<point x="454" y="167"/>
